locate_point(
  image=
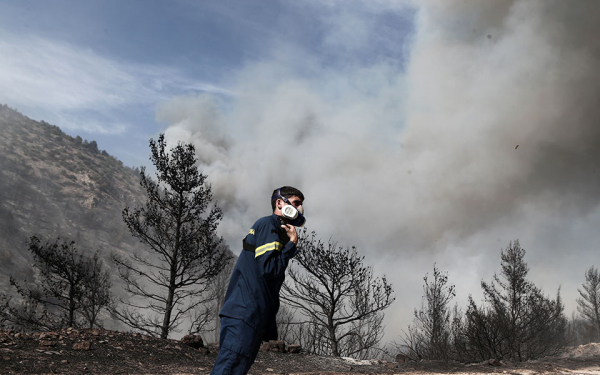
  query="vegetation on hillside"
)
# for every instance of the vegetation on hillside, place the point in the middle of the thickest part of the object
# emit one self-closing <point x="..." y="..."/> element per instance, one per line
<point x="54" y="185"/>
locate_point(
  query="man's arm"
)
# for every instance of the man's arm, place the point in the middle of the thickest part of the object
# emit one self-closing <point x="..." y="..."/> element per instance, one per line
<point x="271" y="255"/>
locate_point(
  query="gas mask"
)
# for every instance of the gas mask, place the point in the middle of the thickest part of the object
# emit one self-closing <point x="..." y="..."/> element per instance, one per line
<point x="291" y="214"/>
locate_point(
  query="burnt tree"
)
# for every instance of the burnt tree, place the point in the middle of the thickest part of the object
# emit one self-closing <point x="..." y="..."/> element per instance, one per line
<point x="338" y="296"/>
<point x="430" y="337"/>
<point x="67" y="288"/>
<point x="178" y="226"/>
<point x="519" y="322"/>
<point x="588" y="305"/>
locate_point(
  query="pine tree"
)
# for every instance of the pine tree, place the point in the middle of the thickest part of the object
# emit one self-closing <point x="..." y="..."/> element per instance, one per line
<point x="589" y="303"/>
<point x="61" y="295"/>
<point x="179" y="229"/>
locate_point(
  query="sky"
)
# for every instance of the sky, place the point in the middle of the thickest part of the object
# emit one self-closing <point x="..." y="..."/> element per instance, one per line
<point x="421" y="132"/>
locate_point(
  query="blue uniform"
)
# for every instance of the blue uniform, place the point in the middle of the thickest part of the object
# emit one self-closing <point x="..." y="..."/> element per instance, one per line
<point x="252" y="298"/>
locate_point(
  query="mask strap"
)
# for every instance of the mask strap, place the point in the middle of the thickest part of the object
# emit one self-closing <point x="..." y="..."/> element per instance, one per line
<point x="278" y="195"/>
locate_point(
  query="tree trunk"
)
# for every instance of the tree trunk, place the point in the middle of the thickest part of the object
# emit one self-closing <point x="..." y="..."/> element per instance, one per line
<point x="71" y="307"/>
<point x="173" y="273"/>
<point x="168" y="309"/>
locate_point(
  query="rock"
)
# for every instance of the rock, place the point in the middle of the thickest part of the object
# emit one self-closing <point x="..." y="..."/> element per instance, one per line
<point x="401" y="358"/>
<point x="47" y="343"/>
<point x="494" y="362"/>
<point x="194" y="341"/>
<point x="273" y="346"/>
<point x="204" y="350"/>
<point x="84" y="345"/>
<point x="294" y="348"/>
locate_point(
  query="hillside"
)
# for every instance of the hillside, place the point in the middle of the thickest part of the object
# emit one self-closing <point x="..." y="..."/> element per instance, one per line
<point x="53" y="185"/>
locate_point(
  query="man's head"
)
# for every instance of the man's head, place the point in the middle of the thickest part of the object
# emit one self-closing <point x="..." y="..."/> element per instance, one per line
<point x="286" y="195"/>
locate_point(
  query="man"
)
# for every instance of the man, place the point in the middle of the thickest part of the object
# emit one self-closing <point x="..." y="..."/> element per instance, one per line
<point x="252" y="298"/>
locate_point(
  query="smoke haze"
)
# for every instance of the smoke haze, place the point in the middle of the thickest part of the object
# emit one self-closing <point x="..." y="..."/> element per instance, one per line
<point x="485" y="131"/>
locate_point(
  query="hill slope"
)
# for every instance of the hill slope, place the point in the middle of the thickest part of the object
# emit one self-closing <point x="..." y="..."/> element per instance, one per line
<point x="53" y="185"/>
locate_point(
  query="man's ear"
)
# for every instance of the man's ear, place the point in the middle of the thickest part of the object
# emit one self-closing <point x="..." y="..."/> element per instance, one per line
<point x="279" y="203"/>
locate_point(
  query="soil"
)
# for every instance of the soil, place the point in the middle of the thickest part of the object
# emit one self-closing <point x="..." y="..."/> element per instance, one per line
<point x="93" y="351"/>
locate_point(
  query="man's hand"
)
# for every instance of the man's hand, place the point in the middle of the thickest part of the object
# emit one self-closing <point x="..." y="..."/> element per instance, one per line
<point x="290" y="230"/>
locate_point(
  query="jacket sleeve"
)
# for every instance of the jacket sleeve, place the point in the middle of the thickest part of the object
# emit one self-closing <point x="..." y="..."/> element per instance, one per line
<point x="272" y="256"/>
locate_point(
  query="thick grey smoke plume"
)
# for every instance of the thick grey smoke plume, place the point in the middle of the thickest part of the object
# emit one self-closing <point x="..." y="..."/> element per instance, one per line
<point x="491" y="132"/>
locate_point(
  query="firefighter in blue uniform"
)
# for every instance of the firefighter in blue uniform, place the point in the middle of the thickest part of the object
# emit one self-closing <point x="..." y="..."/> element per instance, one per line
<point x="252" y="298"/>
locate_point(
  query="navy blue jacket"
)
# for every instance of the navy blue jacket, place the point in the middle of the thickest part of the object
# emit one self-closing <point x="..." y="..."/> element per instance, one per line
<point x="253" y="291"/>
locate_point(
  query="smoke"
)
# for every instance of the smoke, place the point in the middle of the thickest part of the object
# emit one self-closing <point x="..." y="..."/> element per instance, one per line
<point x="487" y="132"/>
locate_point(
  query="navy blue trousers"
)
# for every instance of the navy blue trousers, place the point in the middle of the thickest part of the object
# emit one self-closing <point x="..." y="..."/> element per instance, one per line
<point x="238" y="346"/>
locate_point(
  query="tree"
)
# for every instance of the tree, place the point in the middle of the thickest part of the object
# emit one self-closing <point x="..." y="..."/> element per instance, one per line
<point x="520" y="322"/>
<point x="65" y="288"/>
<point x="93" y="146"/>
<point x="588" y="305"/>
<point x="4" y="309"/>
<point x="338" y="295"/>
<point x="430" y="337"/>
<point x="179" y="230"/>
<point x="96" y="296"/>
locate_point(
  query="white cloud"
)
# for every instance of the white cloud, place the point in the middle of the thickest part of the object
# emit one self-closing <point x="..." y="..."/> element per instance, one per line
<point x="78" y="88"/>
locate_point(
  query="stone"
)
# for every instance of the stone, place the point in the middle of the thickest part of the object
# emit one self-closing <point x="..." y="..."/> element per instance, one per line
<point x="494" y="362"/>
<point x="294" y="348"/>
<point x="83" y="345"/>
<point x="273" y="346"/>
<point x="204" y="350"/>
<point x="194" y="341"/>
<point x="47" y="343"/>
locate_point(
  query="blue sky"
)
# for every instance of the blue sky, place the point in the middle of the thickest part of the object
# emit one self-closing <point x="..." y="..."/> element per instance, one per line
<point x="109" y="63"/>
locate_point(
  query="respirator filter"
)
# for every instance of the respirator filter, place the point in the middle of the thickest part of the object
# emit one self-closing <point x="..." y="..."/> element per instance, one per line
<point x="293" y="216"/>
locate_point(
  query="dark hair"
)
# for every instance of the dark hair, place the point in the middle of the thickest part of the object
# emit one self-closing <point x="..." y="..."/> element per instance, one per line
<point x="286" y="192"/>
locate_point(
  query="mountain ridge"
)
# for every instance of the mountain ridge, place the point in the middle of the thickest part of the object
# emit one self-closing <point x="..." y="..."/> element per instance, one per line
<point x="53" y="185"/>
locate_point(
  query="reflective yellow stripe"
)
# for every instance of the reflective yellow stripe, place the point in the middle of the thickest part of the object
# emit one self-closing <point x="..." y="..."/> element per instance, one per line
<point x="268" y="247"/>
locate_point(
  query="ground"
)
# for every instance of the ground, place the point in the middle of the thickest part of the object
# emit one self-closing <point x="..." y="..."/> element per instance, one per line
<point x="92" y="351"/>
